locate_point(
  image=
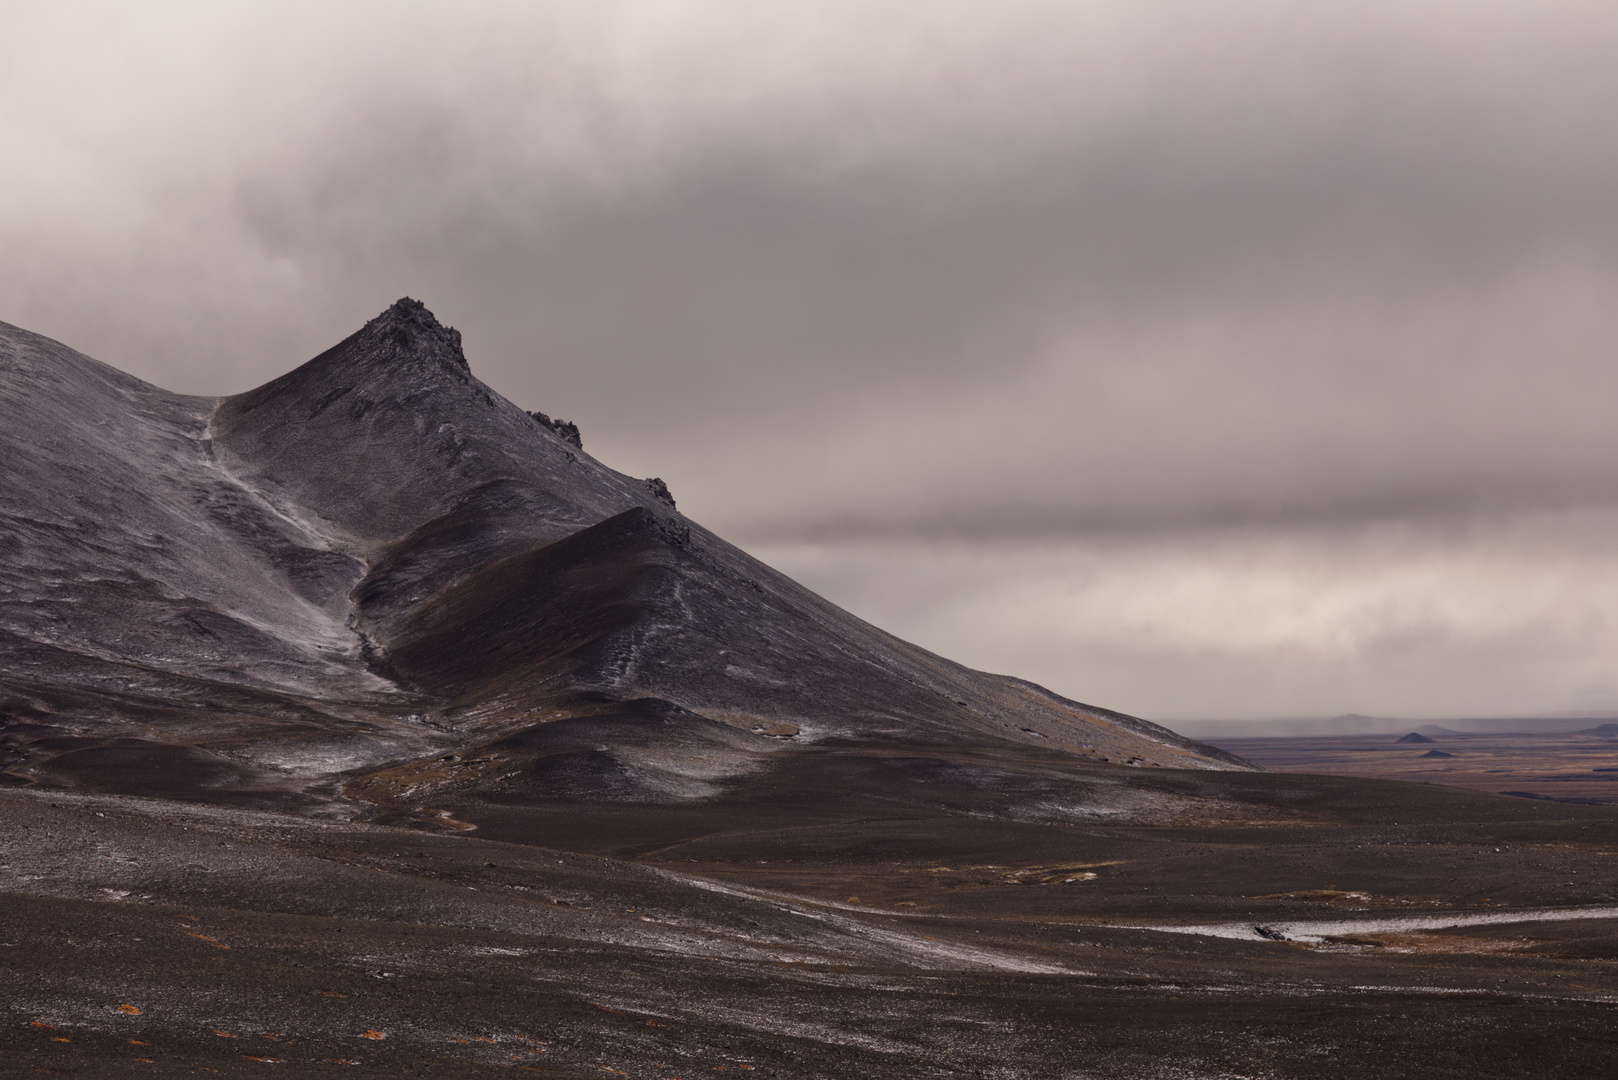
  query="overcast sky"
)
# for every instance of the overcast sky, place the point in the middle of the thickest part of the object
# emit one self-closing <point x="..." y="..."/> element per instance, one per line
<point x="1199" y="360"/>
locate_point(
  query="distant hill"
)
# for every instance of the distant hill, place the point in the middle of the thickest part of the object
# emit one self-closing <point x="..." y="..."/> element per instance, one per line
<point x="1349" y="724"/>
<point x="1413" y="737"/>
<point x="1529" y="725"/>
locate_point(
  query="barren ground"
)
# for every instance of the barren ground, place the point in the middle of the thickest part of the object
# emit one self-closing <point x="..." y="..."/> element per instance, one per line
<point x="812" y="926"/>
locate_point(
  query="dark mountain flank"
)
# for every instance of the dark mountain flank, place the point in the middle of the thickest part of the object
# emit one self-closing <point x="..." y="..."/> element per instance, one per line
<point x="374" y="577"/>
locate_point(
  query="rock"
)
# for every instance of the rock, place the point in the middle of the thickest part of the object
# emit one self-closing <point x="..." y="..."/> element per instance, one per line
<point x="1269" y="933"/>
<point x="566" y="430"/>
<point x="409" y="327"/>
<point x="661" y="490"/>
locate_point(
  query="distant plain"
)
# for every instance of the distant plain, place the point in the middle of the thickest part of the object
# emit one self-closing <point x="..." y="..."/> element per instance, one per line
<point x="1578" y="767"/>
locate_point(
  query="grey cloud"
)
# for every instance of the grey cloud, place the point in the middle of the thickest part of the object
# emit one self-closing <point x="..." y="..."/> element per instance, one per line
<point x="1038" y="271"/>
<point x="1359" y="280"/>
<point x="1507" y="617"/>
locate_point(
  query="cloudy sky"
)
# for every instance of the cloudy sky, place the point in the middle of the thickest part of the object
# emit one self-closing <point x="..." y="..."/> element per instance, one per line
<point x="1214" y="360"/>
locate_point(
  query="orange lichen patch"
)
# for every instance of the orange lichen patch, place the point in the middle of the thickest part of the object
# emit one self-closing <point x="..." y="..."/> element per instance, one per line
<point x="215" y="942"/>
<point x="148" y="1061"/>
<point x="58" y="1038"/>
<point x="370" y="1033"/>
<point x="41" y="1024"/>
<point x="250" y="1057"/>
<point x="129" y="1010"/>
<point x="138" y="1042"/>
<point x="224" y="1035"/>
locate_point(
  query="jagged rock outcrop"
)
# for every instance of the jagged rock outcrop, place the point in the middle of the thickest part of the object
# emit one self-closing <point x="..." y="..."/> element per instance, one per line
<point x="566" y="430"/>
<point x="660" y="491"/>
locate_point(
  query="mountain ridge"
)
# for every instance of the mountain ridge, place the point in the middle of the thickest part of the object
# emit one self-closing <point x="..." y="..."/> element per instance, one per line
<point x="376" y="559"/>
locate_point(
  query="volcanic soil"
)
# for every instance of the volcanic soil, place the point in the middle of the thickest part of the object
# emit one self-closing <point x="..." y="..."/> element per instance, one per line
<point x="812" y="924"/>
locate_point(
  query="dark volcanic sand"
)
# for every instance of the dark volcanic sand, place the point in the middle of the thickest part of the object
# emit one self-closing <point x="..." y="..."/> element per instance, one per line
<point x="810" y="929"/>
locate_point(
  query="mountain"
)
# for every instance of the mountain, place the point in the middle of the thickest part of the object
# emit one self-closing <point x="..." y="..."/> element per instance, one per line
<point x="374" y="582"/>
<point x="364" y="722"/>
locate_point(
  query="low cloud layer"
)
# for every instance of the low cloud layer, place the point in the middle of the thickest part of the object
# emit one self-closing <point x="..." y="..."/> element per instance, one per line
<point x="1505" y="618"/>
<point x="1281" y="333"/>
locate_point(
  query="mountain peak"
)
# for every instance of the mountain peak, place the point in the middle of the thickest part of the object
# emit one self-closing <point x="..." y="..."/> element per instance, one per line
<point x="409" y="328"/>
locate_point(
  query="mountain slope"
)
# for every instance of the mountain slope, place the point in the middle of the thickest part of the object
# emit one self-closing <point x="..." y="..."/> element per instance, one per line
<point x="375" y="560"/>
